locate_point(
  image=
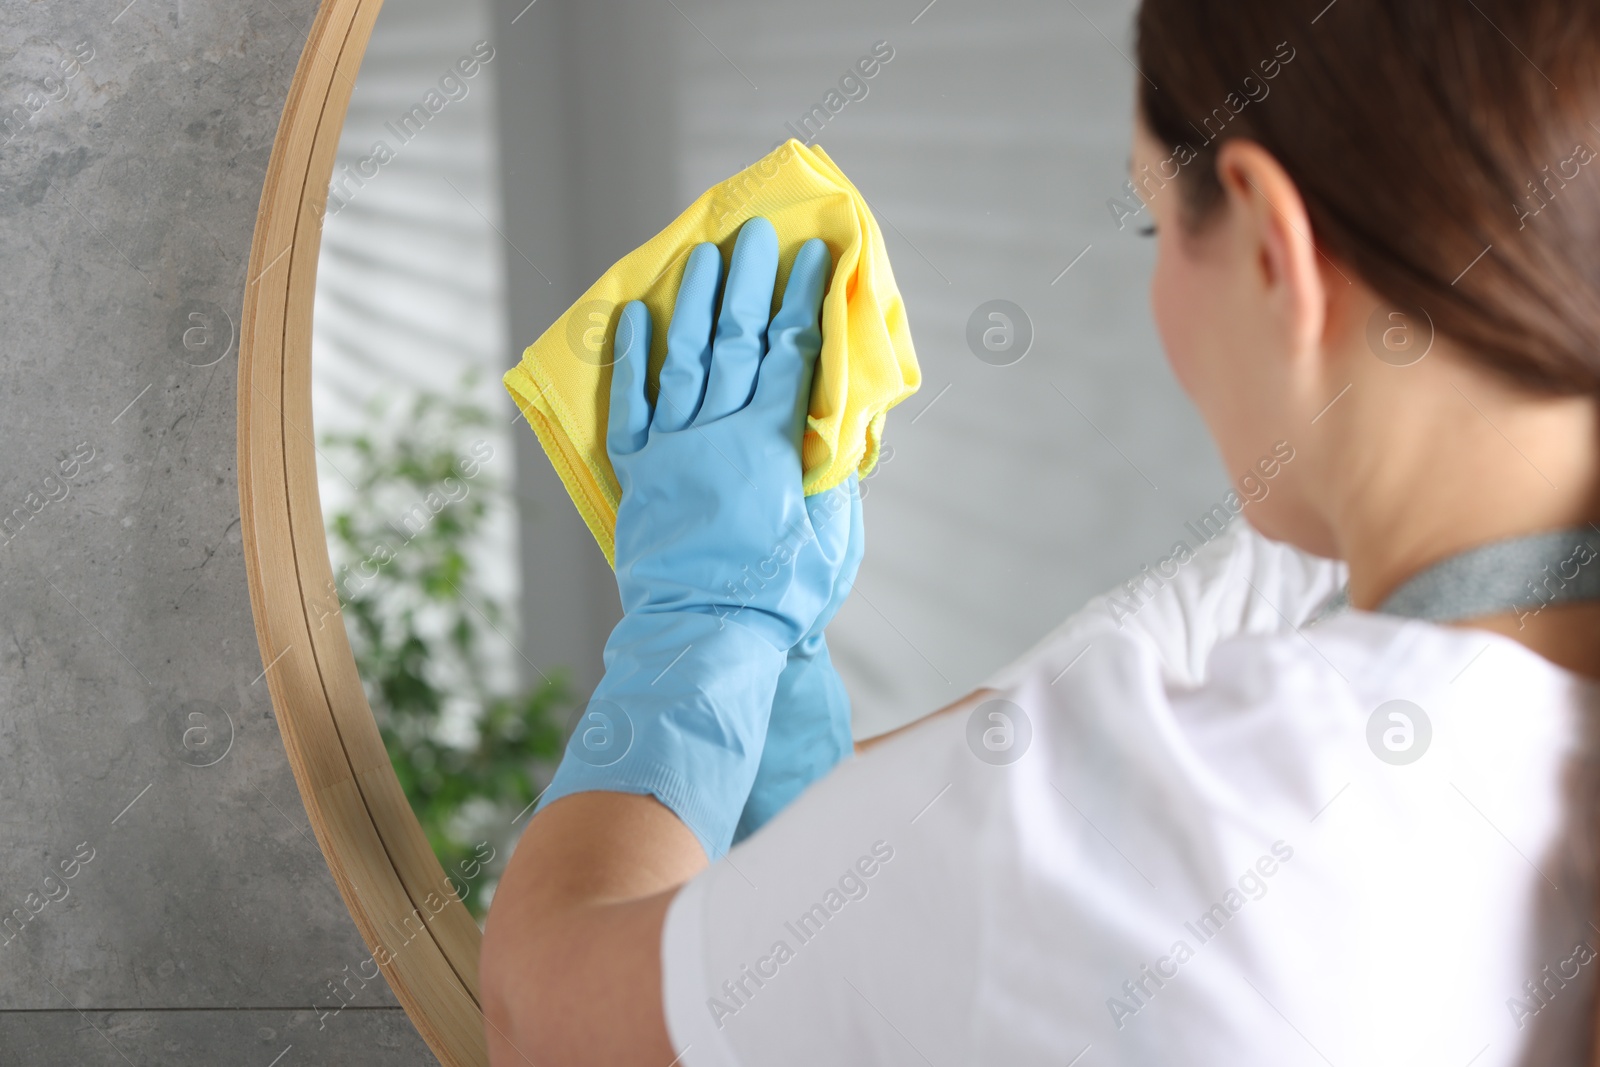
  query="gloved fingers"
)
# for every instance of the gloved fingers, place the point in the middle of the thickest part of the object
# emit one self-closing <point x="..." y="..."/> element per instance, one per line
<point x="628" y="419"/>
<point x="794" y="339"/>
<point x="683" y="374"/>
<point x="742" y="324"/>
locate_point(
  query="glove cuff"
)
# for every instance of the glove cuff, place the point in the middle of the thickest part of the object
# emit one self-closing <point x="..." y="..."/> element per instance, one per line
<point x="680" y="715"/>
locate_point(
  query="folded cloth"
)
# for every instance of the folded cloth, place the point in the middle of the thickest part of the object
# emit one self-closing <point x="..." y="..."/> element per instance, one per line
<point x="866" y="367"/>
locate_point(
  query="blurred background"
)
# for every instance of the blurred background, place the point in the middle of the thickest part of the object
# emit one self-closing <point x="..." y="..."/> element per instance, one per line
<point x="468" y="211"/>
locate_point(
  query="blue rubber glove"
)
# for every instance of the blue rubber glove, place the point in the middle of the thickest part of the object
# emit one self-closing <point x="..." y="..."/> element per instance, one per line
<point x="809" y="731"/>
<point x="722" y="563"/>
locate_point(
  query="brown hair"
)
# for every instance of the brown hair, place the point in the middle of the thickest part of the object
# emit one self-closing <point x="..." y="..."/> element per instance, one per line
<point x="1420" y="133"/>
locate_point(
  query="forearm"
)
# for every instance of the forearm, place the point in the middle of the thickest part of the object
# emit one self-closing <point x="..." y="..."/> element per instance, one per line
<point x="571" y="970"/>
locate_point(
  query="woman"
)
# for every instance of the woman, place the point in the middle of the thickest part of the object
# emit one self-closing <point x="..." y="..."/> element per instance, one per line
<point x="1243" y="826"/>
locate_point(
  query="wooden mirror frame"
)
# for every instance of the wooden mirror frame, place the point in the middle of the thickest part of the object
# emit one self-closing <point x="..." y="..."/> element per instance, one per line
<point x="420" y="934"/>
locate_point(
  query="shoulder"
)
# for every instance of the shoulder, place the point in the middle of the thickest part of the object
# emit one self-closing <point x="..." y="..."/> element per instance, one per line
<point x="1113" y="851"/>
<point x="1201" y="592"/>
<point x="1272" y="693"/>
<point x="1355" y="791"/>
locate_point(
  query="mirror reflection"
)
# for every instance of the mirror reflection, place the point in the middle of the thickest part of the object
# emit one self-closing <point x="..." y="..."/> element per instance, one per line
<point x="498" y="157"/>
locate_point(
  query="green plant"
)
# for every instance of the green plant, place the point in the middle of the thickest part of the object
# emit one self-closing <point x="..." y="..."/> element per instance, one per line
<point x="471" y="752"/>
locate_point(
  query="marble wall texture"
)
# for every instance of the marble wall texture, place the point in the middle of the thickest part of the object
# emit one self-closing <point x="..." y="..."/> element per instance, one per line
<point x="164" y="897"/>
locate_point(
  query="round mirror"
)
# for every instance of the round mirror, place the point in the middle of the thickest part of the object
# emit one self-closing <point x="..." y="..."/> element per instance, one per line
<point x="450" y="178"/>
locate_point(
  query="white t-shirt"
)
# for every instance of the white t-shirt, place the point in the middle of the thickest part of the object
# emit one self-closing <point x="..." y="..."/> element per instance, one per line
<point x="1203" y="847"/>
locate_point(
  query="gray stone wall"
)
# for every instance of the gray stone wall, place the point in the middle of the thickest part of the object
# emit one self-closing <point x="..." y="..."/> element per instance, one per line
<point x="167" y="902"/>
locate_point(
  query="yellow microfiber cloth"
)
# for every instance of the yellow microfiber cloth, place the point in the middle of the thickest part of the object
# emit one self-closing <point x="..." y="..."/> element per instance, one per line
<point x="866" y="367"/>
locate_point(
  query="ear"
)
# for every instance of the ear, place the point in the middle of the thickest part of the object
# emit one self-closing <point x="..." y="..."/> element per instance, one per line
<point x="1275" y="230"/>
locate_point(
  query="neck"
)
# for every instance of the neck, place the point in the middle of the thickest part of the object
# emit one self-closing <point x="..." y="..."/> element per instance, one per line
<point x="1464" y="459"/>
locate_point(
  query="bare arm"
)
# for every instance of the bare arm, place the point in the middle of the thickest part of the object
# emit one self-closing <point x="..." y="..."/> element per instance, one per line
<point x="571" y="964"/>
